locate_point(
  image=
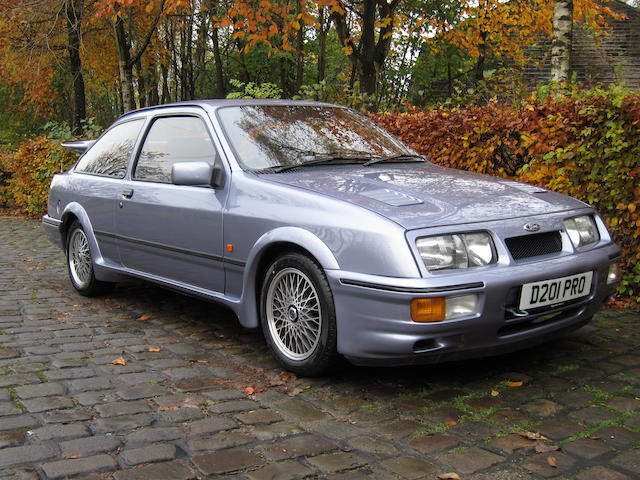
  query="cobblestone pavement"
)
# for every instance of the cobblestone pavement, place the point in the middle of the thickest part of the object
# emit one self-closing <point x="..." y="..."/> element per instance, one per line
<point x="200" y="397"/>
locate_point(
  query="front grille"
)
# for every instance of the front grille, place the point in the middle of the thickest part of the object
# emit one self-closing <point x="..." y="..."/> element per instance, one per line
<point x="534" y="245"/>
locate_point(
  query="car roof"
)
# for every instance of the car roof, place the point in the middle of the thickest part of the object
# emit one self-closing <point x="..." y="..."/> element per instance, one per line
<point x="226" y="102"/>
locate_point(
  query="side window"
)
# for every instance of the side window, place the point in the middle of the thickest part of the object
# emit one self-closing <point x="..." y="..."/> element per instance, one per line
<point x="109" y="156"/>
<point x="171" y="140"/>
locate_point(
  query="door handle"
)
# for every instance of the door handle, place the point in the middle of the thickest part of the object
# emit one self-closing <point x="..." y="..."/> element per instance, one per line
<point x="128" y="193"/>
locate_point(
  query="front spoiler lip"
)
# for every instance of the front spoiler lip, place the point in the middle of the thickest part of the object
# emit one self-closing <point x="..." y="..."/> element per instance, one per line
<point x="393" y="288"/>
<point x="433" y="357"/>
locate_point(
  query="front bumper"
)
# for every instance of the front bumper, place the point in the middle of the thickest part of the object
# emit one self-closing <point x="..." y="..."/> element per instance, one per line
<point x="375" y="326"/>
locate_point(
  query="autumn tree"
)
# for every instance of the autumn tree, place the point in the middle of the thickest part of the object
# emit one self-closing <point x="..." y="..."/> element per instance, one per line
<point x="366" y="36"/>
<point x="36" y="36"/>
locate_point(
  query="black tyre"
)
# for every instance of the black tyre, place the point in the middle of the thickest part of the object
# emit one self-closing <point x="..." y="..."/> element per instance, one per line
<point x="298" y="315"/>
<point x="80" y="263"/>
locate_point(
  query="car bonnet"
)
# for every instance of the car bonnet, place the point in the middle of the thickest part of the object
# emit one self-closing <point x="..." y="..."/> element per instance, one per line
<point x="427" y="195"/>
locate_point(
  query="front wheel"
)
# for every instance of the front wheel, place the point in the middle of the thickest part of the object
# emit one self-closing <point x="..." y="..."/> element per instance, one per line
<point x="80" y="264"/>
<point x="298" y="315"/>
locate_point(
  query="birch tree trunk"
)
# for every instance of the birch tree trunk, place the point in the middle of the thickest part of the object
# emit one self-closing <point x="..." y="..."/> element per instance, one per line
<point x="562" y="40"/>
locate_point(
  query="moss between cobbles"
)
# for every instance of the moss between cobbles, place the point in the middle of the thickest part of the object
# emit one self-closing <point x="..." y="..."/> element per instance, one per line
<point x="620" y="421"/>
<point x="40" y="375"/>
<point x="588" y="432"/>
<point x="411" y="396"/>
<point x="16" y="400"/>
<point x="505" y="430"/>
<point x="435" y="428"/>
<point x="564" y="369"/>
<point x="480" y="416"/>
<point x="603" y="397"/>
<point x="460" y="449"/>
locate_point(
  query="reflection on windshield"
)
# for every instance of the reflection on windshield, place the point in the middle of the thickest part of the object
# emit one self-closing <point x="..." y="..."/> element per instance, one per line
<point x="266" y="136"/>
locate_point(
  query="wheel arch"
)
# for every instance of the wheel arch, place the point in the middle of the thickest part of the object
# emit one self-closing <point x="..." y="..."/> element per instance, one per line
<point x="72" y="212"/>
<point x="269" y="247"/>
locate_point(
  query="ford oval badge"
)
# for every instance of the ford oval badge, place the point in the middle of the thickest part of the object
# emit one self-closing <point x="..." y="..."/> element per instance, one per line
<point x="531" y="227"/>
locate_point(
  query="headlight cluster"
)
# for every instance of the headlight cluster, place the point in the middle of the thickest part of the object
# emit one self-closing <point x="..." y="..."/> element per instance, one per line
<point x="460" y="250"/>
<point x="582" y="230"/>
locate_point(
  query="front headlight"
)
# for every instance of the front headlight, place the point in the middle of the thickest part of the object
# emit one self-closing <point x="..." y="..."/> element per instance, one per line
<point x="582" y="230"/>
<point x="460" y="250"/>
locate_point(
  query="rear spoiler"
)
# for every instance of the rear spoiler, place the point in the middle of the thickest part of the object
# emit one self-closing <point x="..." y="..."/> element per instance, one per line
<point x="79" y="146"/>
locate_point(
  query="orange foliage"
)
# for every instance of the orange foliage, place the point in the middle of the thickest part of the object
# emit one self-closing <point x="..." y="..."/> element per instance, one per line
<point x="31" y="169"/>
<point x="29" y="49"/>
<point x="504" y="29"/>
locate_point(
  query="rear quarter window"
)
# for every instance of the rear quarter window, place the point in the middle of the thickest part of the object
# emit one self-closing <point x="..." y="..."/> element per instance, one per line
<point x="109" y="156"/>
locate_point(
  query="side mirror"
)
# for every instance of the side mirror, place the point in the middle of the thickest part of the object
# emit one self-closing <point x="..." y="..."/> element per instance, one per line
<point x="192" y="173"/>
<point x="217" y="178"/>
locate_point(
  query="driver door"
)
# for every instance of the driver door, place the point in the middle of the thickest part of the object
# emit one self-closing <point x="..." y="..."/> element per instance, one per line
<point x="173" y="232"/>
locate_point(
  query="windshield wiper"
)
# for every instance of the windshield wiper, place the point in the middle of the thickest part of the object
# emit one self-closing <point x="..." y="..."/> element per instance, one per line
<point x="325" y="160"/>
<point x="394" y="157"/>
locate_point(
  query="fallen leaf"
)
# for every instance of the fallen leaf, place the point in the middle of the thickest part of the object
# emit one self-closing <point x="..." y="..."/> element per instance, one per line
<point x="154" y="349"/>
<point x="514" y="384"/>
<point x="594" y="437"/>
<point x="449" y="476"/>
<point x="494" y="393"/>
<point x="249" y="390"/>
<point x="287" y="377"/>
<point x="169" y="408"/>
<point x="296" y="391"/>
<point x="532" y="435"/>
<point x="553" y="463"/>
<point x="450" y="421"/>
<point x="275" y="381"/>
<point x="119" y="361"/>
<point x="143" y="318"/>
<point x="546" y="448"/>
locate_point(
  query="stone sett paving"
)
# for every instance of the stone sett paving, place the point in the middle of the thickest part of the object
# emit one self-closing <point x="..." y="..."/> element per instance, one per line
<point x="199" y="397"/>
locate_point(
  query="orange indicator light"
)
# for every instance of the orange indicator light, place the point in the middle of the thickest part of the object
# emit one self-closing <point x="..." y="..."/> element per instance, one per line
<point x="428" y="309"/>
<point x="229" y="247"/>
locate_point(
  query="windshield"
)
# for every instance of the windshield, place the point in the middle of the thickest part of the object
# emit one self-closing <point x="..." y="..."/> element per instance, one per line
<point x="268" y="136"/>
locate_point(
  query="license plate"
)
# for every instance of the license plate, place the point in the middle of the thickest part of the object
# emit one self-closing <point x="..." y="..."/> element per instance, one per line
<point x="556" y="290"/>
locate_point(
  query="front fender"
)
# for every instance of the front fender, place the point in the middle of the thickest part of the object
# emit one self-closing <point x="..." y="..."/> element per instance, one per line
<point x="248" y="312"/>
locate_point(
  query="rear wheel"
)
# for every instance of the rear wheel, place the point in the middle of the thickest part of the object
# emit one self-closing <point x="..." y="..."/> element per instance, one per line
<point x="298" y="315"/>
<point x="80" y="263"/>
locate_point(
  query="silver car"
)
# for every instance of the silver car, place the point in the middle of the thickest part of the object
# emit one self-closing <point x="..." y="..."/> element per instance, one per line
<point x="313" y="223"/>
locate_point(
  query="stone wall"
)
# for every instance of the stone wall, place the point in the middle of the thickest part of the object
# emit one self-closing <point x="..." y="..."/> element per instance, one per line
<point x="598" y="58"/>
